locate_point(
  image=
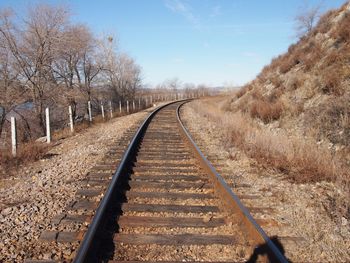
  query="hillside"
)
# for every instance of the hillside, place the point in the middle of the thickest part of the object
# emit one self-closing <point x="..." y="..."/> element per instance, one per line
<point x="293" y="122"/>
<point x="287" y="135"/>
<point x="298" y="108"/>
<point x="307" y="89"/>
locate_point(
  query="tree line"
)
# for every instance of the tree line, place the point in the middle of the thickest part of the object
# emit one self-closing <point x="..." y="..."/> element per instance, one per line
<point x="46" y="60"/>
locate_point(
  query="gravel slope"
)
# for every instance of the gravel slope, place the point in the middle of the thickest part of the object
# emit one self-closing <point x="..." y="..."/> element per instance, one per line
<point x="41" y="190"/>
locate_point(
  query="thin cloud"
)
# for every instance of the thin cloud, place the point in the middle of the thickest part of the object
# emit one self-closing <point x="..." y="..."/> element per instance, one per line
<point x="183" y="9"/>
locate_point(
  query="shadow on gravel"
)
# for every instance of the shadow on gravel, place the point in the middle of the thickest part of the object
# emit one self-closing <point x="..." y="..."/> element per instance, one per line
<point x="49" y="156"/>
<point x="111" y="227"/>
<point x="263" y="250"/>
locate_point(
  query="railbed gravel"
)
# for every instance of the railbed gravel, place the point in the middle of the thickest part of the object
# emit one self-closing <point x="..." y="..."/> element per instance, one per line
<point x="298" y="208"/>
<point x="184" y="253"/>
<point x="43" y="189"/>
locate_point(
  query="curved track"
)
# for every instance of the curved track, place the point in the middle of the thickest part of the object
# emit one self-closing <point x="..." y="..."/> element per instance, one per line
<point x="167" y="203"/>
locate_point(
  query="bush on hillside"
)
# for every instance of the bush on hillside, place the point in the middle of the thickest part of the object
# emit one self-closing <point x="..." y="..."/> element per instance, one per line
<point x="332" y="80"/>
<point x="266" y="111"/>
<point x="342" y="31"/>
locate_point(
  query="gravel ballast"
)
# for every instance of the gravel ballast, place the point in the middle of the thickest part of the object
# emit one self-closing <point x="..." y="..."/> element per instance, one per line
<point x="41" y="190"/>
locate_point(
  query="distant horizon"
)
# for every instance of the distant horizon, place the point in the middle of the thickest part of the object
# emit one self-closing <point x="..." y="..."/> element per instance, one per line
<point x="213" y="42"/>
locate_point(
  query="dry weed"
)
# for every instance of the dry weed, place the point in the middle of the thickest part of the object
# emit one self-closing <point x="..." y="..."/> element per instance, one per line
<point x="303" y="160"/>
<point x="27" y="152"/>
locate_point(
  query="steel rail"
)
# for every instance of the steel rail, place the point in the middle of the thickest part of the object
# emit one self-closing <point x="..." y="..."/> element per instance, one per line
<point x="231" y="198"/>
<point x="86" y="249"/>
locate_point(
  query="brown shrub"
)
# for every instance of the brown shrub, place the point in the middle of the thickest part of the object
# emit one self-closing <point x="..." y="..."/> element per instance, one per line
<point x="226" y="105"/>
<point x="243" y="104"/>
<point x="324" y="23"/>
<point x="276" y="80"/>
<point x="295" y="81"/>
<point x="266" y="111"/>
<point x="272" y="66"/>
<point x="286" y="64"/>
<point x="242" y="91"/>
<point x="292" y="48"/>
<point x="312" y="55"/>
<point x="256" y="94"/>
<point x="275" y="94"/>
<point x="297" y="109"/>
<point x="331" y="120"/>
<point x="331" y="81"/>
<point x="332" y="58"/>
<point x="342" y="31"/>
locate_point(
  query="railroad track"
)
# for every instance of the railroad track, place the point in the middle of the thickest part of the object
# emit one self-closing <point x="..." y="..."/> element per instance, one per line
<point x="165" y="203"/>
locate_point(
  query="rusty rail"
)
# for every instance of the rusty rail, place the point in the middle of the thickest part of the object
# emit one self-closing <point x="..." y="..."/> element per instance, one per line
<point x="86" y="252"/>
<point x="86" y="249"/>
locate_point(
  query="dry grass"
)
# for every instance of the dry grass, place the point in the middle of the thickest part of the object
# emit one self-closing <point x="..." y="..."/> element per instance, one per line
<point x="302" y="160"/>
<point x="33" y="151"/>
<point x="26" y="153"/>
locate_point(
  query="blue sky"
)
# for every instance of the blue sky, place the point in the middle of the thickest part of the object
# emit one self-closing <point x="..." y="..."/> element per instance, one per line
<point x="215" y="42"/>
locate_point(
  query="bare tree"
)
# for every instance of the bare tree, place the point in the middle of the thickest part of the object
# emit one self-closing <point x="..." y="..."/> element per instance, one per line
<point x="122" y="74"/>
<point x="47" y="61"/>
<point x="11" y="90"/>
<point x="306" y="19"/>
<point x="174" y="84"/>
<point x="76" y="42"/>
<point x="88" y="69"/>
<point x="33" y="46"/>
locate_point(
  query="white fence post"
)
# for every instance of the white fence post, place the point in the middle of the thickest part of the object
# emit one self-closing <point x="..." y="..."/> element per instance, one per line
<point x="146" y="102"/>
<point x="48" y="131"/>
<point x="89" y="109"/>
<point x="13" y="136"/>
<point x="133" y="105"/>
<point x="127" y="106"/>
<point x="139" y="104"/>
<point x="111" y="109"/>
<point x="71" y="124"/>
<point x="102" y="111"/>
<point x="120" y="107"/>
